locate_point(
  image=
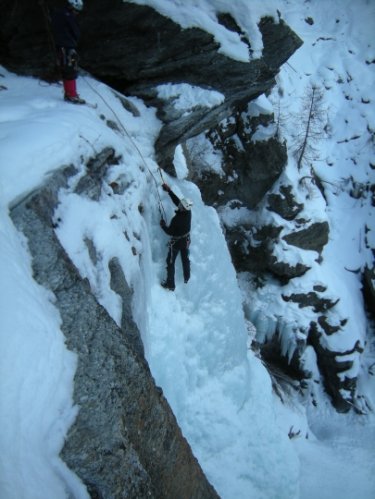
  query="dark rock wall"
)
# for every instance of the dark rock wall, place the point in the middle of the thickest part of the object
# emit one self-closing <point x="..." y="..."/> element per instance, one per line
<point x="125" y="441"/>
<point x="25" y="45"/>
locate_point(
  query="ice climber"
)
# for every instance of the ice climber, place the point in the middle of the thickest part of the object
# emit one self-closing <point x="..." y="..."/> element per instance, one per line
<point x="179" y="230"/>
<point x="66" y="34"/>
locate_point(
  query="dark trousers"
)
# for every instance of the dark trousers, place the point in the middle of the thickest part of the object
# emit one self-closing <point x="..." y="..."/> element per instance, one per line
<point x="177" y="246"/>
<point x="68" y="62"/>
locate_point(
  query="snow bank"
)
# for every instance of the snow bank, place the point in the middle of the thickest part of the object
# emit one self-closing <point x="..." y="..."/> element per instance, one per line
<point x="203" y="14"/>
<point x="186" y="97"/>
<point x="36" y="381"/>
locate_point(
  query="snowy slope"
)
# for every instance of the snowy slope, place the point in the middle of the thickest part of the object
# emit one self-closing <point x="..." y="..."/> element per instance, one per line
<point x="196" y="340"/>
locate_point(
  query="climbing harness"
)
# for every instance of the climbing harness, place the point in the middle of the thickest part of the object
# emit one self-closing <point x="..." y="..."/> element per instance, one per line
<point x="177" y="238"/>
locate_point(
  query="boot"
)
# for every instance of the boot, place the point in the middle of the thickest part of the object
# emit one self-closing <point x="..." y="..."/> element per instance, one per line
<point x="71" y="95"/>
<point x="74" y="100"/>
<point x="166" y="285"/>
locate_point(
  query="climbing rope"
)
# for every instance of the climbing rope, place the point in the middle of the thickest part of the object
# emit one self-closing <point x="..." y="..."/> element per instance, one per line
<point x="161" y="208"/>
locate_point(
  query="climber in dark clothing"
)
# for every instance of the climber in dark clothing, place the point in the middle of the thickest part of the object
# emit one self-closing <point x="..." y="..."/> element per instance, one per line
<point x="66" y="33"/>
<point x="179" y="230"/>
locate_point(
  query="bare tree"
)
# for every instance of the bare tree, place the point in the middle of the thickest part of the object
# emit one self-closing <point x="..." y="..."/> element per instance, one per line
<point x="311" y="122"/>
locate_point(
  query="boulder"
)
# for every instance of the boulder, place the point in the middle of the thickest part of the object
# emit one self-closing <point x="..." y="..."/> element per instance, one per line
<point x="284" y="271"/>
<point x="314" y="237"/>
<point x="284" y="203"/>
<point x="311" y="299"/>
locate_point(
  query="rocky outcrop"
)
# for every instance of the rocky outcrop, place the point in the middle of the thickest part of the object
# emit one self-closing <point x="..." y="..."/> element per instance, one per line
<point x="137" y="68"/>
<point x="314" y="237"/>
<point x="125" y="441"/>
<point x="311" y="299"/>
<point x="334" y="365"/>
<point x="249" y="247"/>
<point x="249" y="168"/>
<point x="284" y="204"/>
<point x="251" y="251"/>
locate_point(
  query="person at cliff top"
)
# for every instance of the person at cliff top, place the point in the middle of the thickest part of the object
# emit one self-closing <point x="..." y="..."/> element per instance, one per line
<point x="179" y="230"/>
<point x="66" y="34"/>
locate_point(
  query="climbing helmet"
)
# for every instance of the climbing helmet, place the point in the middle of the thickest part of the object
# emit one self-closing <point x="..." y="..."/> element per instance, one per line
<point x="186" y="203"/>
<point x="76" y="4"/>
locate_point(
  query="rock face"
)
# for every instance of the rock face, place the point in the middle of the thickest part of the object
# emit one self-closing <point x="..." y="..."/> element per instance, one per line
<point x="284" y="203"/>
<point x="129" y="46"/>
<point x="125" y="441"/>
<point x="332" y="364"/>
<point x="249" y="169"/>
<point x="313" y="238"/>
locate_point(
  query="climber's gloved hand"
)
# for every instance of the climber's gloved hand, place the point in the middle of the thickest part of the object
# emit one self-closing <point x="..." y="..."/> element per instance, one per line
<point x="166" y="187"/>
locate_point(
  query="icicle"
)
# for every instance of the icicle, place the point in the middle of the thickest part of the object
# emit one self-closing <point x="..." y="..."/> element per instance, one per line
<point x="287" y="339"/>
